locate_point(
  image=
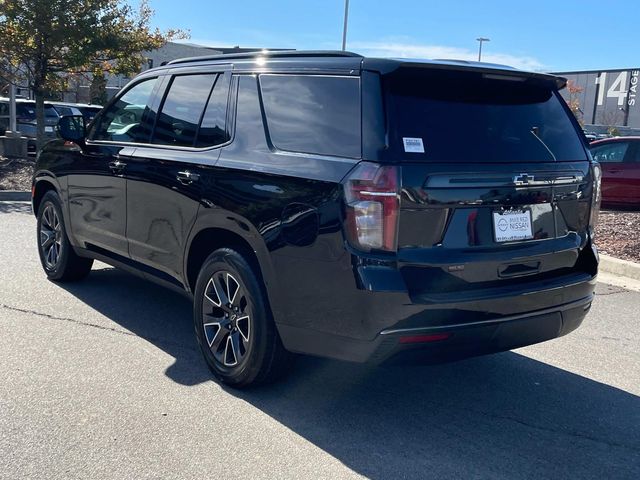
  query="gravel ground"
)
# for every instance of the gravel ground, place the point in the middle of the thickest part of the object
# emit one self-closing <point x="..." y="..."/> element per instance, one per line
<point x="15" y="174"/>
<point x="618" y="234"/>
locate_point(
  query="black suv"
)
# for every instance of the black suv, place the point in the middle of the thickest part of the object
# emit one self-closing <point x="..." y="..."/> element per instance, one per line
<point x="334" y="205"/>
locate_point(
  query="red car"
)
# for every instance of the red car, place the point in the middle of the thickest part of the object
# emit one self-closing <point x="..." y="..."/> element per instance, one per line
<point x="620" y="161"/>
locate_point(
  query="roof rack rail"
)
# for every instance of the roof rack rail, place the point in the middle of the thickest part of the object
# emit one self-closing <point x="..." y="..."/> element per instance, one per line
<point x="267" y="53"/>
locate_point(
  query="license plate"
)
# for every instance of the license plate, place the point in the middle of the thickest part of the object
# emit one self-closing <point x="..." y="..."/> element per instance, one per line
<point x="512" y="225"/>
<point x="48" y="129"/>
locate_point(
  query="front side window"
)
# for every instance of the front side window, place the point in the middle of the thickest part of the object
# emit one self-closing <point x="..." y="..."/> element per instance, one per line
<point x="313" y="114"/>
<point x="611" y="153"/>
<point x="126" y="119"/>
<point x="182" y="110"/>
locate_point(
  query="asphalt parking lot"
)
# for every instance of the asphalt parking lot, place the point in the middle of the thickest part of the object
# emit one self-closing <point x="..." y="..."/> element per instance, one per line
<point x="103" y="379"/>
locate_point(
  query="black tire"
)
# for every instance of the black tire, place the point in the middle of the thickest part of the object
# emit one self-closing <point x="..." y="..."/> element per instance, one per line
<point x="245" y="331"/>
<point x="59" y="261"/>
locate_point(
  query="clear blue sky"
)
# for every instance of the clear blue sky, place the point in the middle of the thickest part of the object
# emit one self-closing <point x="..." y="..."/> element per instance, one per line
<point x="558" y="35"/>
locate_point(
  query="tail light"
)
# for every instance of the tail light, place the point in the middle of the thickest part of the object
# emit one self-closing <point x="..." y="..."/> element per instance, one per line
<point x="596" y="174"/>
<point x="372" y="194"/>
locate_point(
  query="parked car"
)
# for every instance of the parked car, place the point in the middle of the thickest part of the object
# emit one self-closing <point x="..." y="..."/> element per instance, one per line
<point x="590" y="136"/>
<point x="26" y="119"/>
<point x="87" y="110"/>
<point x="323" y="203"/>
<point x="620" y="161"/>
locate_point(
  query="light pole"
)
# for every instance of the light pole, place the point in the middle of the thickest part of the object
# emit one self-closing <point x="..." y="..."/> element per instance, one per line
<point x="346" y="21"/>
<point x="480" y="40"/>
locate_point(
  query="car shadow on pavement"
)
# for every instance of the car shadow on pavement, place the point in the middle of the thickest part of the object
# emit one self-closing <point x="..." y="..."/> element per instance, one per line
<point x="156" y="314"/>
<point x="500" y="416"/>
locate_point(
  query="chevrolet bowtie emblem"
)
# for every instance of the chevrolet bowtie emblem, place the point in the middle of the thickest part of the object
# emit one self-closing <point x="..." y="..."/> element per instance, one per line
<point x="523" y="179"/>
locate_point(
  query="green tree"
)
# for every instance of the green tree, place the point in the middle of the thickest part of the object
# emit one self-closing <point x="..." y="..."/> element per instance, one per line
<point x="46" y="39"/>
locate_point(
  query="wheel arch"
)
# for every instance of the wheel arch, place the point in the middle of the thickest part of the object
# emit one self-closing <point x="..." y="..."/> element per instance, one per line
<point x="208" y="239"/>
<point x="42" y="185"/>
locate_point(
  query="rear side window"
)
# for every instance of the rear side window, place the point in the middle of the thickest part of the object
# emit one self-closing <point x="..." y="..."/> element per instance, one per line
<point x="193" y="112"/>
<point x="182" y="109"/>
<point x="610" y="153"/>
<point x="213" y="129"/>
<point x="313" y="114"/>
<point x="444" y="116"/>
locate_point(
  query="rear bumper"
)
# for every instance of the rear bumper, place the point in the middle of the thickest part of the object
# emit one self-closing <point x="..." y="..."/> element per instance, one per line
<point x="444" y="342"/>
<point x="370" y="319"/>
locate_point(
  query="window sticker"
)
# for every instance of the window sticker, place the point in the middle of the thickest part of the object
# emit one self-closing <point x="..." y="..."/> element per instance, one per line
<point x="413" y="145"/>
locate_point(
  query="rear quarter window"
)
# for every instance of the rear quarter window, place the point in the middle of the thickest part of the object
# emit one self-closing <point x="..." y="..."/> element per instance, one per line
<point x="469" y="117"/>
<point x="313" y="114"/>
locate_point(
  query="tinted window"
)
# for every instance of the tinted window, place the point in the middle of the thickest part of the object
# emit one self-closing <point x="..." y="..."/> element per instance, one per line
<point x="25" y="111"/>
<point x="126" y="119"/>
<point x="213" y="128"/>
<point x="469" y="117"/>
<point x="610" y="153"/>
<point x="63" y="111"/>
<point x="313" y="114"/>
<point x="50" y="112"/>
<point x="182" y="109"/>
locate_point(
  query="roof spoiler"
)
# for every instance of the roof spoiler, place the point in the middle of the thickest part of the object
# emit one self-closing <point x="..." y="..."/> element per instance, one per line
<point x="497" y="72"/>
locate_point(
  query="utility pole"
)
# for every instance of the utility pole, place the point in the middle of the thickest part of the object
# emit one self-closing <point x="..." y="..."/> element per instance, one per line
<point x="481" y="39"/>
<point x="346" y="21"/>
<point x="13" y="124"/>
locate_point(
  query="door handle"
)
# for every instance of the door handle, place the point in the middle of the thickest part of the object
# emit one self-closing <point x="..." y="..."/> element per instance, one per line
<point x="186" y="177"/>
<point x="117" y="166"/>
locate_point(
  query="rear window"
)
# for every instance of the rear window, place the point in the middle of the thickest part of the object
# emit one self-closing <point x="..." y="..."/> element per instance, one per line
<point x="27" y="111"/>
<point x="64" y="111"/>
<point x="438" y="116"/>
<point x="313" y="114"/>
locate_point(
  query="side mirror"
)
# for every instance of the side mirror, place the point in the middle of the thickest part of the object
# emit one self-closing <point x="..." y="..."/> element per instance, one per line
<point x="72" y="128"/>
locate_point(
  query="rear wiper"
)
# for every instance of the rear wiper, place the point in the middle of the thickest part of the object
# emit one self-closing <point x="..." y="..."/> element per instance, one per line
<point x="534" y="131"/>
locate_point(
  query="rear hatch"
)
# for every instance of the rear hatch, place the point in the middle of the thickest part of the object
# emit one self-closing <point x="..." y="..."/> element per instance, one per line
<point x="496" y="183"/>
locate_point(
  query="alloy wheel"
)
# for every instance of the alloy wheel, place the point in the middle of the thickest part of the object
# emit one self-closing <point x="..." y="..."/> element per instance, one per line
<point x="226" y="319"/>
<point x="50" y="236"/>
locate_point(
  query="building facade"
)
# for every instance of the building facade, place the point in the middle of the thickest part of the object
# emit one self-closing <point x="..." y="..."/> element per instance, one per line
<point x="607" y="98"/>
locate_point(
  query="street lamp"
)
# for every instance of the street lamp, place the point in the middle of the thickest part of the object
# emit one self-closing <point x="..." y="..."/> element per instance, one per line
<point x="344" y="29"/>
<point x="480" y="40"/>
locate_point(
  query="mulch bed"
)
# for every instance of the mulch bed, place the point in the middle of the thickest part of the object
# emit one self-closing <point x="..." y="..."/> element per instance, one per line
<point x="15" y="174"/>
<point x="618" y="234"/>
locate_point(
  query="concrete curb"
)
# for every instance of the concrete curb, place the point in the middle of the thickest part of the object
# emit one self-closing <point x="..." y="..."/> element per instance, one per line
<point x="14" y="196"/>
<point x="616" y="266"/>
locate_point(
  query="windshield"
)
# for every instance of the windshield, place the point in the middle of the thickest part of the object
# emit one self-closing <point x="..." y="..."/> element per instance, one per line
<point x="445" y="116"/>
